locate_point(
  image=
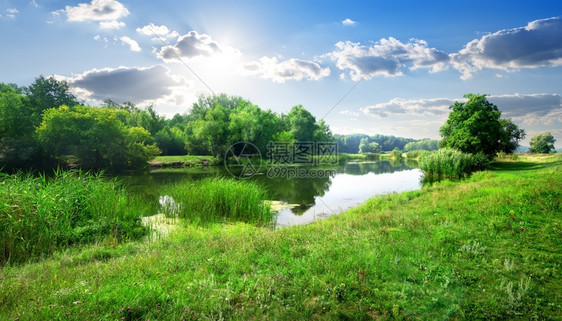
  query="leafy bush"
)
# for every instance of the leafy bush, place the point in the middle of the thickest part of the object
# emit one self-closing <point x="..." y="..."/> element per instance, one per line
<point x="39" y="215"/>
<point x="220" y="199"/>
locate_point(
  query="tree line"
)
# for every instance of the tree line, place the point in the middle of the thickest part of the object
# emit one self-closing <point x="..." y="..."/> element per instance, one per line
<point x="44" y="126"/>
<point x="362" y="143"/>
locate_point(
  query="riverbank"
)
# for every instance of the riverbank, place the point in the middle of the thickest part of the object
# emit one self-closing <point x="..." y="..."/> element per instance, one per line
<point x="484" y="247"/>
<point x="183" y="161"/>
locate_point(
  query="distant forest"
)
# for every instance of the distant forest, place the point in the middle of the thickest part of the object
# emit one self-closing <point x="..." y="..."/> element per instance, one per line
<point x="350" y="143"/>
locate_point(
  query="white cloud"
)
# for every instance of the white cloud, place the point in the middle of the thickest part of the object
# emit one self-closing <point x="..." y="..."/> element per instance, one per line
<point x="348" y="22"/>
<point x="97" y="10"/>
<point x="349" y="113"/>
<point x="529" y="108"/>
<point x="191" y="45"/>
<point x="34" y="3"/>
<point x="138" y="85"/>
<point x="291" y="69"/>
<point x="162" y="31"/>
<point x="12" y="12"/>
<point x="106" y="12"/>
<point x="432" y="106"/>
<point x="109" y="25"/>
<point x="133" y="45"/>
<point x="539" y="44"/>
<point x="386" y="57"/>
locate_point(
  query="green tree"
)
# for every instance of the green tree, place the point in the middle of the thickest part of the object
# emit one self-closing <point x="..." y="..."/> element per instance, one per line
<point x="45" y="93"/>
<point x="542" y="143"/>
<point x="210" y="132"/>
<point x="18" y="147"/>
<point x="251" y="124"/>
<point x="94" y="138"/>
<point x="424" y="144"/>
<point x="510" y="136"/>
<point x="171" y="141"/>
<point x="323" y="133"/>
<point x="475" y="127"/>
<point x="302" y="124"/>
<point x="369" y="147"/>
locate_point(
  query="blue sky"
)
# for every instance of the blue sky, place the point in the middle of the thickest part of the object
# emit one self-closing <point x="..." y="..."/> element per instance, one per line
<point x="409" y="60"/>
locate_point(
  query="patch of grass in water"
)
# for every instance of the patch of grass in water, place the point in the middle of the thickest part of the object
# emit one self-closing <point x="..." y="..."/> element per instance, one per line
<point x="218" y="200"/>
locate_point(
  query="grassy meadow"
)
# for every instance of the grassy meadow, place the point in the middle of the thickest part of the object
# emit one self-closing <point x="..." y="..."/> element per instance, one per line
<point x="486" y="247"/>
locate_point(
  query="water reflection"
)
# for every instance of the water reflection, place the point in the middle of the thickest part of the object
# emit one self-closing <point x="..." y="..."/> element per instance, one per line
<point x="345" y="186"/>
<point x="348" y="190"/>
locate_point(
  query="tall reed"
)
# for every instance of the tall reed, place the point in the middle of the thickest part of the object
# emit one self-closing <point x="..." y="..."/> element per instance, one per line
<point x="39" y="215"/>
<point x="452" y="163"/>
<point x="220" y="200"/>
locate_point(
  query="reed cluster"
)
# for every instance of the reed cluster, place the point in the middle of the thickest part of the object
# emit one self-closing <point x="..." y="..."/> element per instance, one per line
<point x="220" y="200"/>
<point x="39" y="215"/>
<point x="451" y="163"/>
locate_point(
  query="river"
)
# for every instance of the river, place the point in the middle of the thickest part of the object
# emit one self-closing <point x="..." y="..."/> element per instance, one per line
<point x="302" y="199"/>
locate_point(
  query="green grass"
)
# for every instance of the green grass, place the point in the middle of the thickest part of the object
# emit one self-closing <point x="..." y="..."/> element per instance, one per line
<point x="417" y="154"/>
<point x="220" y="200"/>
<point x="487" y="247"/>
<point x="39" y="215"/>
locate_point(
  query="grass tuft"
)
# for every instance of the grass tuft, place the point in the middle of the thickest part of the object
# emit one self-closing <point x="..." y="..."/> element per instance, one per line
<point x="220" y="200"/>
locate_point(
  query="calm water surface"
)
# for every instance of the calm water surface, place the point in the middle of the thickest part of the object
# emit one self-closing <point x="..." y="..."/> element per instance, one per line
<point x="309" y="198"/>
